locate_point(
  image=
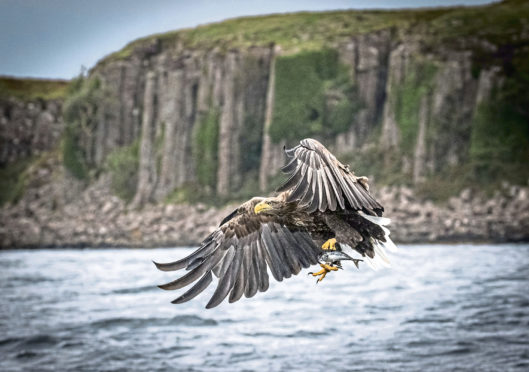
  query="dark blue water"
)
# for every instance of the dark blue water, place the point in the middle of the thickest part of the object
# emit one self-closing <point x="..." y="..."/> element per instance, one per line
<point x="442" y="307"/>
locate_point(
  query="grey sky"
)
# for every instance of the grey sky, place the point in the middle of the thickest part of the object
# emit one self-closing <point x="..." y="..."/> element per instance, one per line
<point x="54" y="38"/>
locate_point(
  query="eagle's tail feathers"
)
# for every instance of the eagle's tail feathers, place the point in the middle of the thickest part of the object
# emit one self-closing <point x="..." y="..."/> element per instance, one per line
<point x="381" y="252"/>
<point x="380" y="258"/>
<point x="389" y="245"/>
<point x="381" y="221"/>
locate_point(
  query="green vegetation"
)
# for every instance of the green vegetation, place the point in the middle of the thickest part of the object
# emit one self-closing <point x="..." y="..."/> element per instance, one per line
<point x="30" y="89"/>
<point x="314" y="95"/>
<point x="251" y="142"/>
<point x="294" y="32"/>
<point x="386" y="168"/>
<point x="499" y="148"/>
<point x="498" y="23"/>
<point x="407" y="100"/>
<point x="72" y="156"/>
<point x="13" y="179"/>
<point x="205" y="149"/>
<point x="315" y="31"/>
<point x="79" y="109"/>
<point x="185" y="194"/>
<point x="122" y="164"/>
<point x="449" y="182"/>
<point x="158" y="147"/>
<point x="499" y="143"/>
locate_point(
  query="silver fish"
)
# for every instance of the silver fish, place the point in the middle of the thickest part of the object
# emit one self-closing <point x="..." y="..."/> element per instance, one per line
<point x="335" y="257"/>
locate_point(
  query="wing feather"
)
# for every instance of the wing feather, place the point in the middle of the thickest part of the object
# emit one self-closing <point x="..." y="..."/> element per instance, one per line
<point x="263" y="274"/>
<point x="238" y="288"/>
<point x="335" y="189"/>
<point x="194" y="274"/>
<point x="195" y="290"/>
<point x="328" y="186"/>
<point x="328" y="197"/>
<point x="239" y="253"/>
<point x="227" y="280"/>
<point x="252" y="285"/>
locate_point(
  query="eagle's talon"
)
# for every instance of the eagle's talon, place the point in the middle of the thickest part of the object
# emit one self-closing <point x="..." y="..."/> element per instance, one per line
<point x="329" y="245"/>
<point x="323" y="272"/>
<point x="328" y="268"/>
<point x="322" y="275"/>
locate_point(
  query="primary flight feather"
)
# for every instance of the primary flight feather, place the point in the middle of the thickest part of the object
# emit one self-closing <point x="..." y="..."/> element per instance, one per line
<point x="322" y="207"/>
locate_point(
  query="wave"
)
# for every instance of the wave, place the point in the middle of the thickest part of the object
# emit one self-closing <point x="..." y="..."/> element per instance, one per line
<point x="31" y="342"/>
<point x="134" y="290"/>
<point x="182" y="320"/>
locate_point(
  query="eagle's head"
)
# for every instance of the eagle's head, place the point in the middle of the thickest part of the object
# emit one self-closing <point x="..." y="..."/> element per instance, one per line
<point x="269" y="206"/>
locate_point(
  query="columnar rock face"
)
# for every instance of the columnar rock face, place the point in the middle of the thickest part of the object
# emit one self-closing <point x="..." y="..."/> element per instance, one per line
<point x="148" y="172"/>
<point x="120" y="112"/>
<point x="28" y="128"/>
<point x="167" y="99"/>
<point x="399" y="61"/>
<point x="367" y="57"/>
<point x="171" y="99"/>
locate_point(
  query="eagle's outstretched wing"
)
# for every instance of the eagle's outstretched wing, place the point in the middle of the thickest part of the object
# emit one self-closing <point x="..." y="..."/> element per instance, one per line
<point x="320" y="182"/>
<point x="239" y="252"/>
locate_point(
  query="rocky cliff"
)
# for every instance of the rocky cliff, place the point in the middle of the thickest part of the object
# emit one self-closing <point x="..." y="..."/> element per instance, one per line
<point x="434" y="100"/>
<point x="406" y="96"/>
<point x="31" y="124"/>
<point x="30" y="117"/>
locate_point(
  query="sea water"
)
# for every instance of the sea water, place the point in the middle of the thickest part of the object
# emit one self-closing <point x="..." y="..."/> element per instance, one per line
<point x="440" y="307"/>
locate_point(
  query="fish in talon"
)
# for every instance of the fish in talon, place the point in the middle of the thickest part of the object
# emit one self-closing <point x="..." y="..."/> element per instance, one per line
<point x="335" y="258"/>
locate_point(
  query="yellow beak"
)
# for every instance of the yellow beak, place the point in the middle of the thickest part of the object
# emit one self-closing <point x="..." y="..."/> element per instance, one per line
<point x="262" y="206"/>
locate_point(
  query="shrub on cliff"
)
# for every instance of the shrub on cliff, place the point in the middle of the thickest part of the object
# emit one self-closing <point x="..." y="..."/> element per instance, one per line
<point x="79" y="111"/>
<point x="314" y="96"/>
<point x="122" y="164"/>
<point x="12" y="180"/>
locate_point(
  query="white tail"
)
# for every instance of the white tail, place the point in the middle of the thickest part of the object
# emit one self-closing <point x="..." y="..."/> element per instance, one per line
<point x="381" y="221"/>
<point x="381" y="258"/>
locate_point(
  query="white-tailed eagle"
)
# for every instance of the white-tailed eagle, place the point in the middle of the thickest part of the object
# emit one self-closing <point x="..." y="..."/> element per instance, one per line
<point x="323" y="206"/>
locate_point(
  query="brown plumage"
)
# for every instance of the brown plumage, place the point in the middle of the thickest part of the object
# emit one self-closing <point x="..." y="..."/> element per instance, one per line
<point x="322" y="199"/>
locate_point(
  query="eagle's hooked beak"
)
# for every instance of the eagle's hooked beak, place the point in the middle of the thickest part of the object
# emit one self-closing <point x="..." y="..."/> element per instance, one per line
<point x="262" y="206"/>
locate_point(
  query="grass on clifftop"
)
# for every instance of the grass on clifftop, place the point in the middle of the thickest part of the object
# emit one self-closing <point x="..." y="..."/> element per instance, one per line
<point x="29" y="89"/>
<point x="293" y="32"/>
<point x="297" y="32"/>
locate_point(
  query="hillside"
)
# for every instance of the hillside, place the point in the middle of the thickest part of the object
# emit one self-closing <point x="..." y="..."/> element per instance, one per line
<point x="429" y="100"/>
<point x="410" y="97"/>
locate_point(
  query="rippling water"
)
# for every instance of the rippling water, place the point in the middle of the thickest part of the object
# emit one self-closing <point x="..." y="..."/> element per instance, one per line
<point x="442" y="307"/>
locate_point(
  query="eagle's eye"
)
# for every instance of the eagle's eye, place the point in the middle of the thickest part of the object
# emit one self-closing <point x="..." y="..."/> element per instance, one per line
<point x="262" y="206"/>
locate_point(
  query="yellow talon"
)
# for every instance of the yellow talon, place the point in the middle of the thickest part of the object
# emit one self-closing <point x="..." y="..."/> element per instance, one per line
<point x="329" y="267"/>
<point x="321" y="272"/>
<point x="325" y="269"/>
<point x="329" y="245"/>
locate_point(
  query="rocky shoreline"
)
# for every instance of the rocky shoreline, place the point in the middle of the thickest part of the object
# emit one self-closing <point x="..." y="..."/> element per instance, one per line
<point x="91" y="217"/>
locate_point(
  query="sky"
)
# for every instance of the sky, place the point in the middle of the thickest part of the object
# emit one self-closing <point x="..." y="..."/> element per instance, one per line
<point x="55" y="38"/>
